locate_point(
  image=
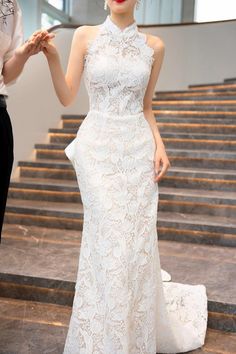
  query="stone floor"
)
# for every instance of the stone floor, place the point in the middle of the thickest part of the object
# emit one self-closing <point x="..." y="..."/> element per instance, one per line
<point x="28" y="327"/>
<point x="38" y="252"/>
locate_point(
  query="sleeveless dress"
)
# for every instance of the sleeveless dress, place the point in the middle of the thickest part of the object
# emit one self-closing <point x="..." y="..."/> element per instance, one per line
<point x="121" y="305"/>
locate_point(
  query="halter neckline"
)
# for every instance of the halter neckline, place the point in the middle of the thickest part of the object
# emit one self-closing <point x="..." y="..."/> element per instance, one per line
<point x="114" y="28"/>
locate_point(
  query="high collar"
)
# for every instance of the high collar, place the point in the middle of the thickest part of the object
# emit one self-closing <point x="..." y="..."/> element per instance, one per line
<point x="113" y="28"/>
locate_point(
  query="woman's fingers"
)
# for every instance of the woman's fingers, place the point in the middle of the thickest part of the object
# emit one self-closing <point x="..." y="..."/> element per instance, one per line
<point x="35" y="43"/>
<point x="36" y="33"/>
<point x="164" y="168"/>
<point x="156" y="165"/>
<point x="40" y="35"/>
<point x="50" y="36"/>
<point x="40" y="41"/>
<point x="42" y="38"/>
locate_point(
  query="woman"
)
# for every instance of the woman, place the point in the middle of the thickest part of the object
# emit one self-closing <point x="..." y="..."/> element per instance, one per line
<point x="121" y="305"/>
<point x="13" y="56"/>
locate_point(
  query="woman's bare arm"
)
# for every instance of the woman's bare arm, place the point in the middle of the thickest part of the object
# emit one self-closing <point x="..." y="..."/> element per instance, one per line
<point x="67" y="85"/>
<point x="13" y="67"/>
<point x="160" y="157"/>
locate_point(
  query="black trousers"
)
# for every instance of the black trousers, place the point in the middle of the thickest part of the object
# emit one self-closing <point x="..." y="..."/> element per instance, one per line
<point x="6" y="160"/>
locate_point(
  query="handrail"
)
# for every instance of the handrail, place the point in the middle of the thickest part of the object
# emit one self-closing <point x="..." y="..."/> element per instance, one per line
<point x="74" y="26"/>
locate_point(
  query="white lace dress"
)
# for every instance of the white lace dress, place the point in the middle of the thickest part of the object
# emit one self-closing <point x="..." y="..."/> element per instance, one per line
<point x="121" y="305"/>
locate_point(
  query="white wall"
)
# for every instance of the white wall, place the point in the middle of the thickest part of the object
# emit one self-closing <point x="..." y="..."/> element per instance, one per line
<point x="200" y="53"/>
<point x="194" y="54"/>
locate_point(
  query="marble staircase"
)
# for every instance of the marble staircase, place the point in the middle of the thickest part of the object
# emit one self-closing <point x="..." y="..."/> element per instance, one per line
<point x="196" y="220"/>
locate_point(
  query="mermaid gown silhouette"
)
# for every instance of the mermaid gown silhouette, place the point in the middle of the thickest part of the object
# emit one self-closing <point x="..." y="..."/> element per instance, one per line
<point x="121" y="305"/>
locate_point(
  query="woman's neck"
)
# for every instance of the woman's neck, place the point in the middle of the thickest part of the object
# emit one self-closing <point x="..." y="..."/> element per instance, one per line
<point x="122" y="20"/>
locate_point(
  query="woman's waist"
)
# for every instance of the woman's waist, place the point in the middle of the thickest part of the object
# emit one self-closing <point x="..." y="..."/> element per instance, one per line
<point x="114" y="124"/>
<point x="115" y="115"/>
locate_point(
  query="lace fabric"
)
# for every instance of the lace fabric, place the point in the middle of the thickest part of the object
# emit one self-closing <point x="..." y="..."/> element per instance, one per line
<point x="121" y="305"/>
<point x="117" y="69"/>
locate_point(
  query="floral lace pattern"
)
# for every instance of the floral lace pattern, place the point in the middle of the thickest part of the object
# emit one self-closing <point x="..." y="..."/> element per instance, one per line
<point x="121" y="305"/>
<point x="117" y="69"/>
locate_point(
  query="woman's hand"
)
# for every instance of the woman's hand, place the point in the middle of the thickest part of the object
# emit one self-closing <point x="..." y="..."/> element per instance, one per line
<point x="49" y="48"/>
<point x="160" y="161"/>
<point x="34" y="44"/>
<point x="14" y="66"/>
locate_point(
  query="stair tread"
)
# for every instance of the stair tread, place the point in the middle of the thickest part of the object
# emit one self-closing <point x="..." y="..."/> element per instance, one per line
<point x="45" y="181"/>
<point x="172" y="135"/>
<point x="194" y="102"/>
<point x="30" y="319"/>
<point x="52" y="162"/>
<point x="73" y="130"/>
<point x="213" y="84"/>
<point x="191" y="122"/>
<point x="198" y="169"/>
<point x="201" y="219"/>
<point x="59" y="251"/>
<point x="172" y="168"/>
<point x="164" y="190"/>
<point x="175" y="150"/>
<point x="196" y="193"/>
<point x="49" y="206"/>
<point x="75" y="208"/>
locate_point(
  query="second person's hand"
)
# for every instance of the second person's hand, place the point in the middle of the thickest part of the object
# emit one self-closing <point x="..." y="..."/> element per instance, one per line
<point x="34" y="44"/>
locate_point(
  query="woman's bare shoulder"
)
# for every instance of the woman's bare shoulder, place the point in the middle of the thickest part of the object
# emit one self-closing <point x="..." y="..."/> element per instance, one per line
<point x="83" y="35"/>
<point x="85" y="31"/>
<point x="156" y="43"/>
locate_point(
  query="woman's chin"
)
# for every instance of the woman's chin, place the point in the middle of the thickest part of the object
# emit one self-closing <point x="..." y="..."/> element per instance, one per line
<point x="119" y="7"/>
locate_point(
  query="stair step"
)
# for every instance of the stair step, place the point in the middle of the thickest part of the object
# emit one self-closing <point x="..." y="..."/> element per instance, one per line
<point x="29" y="320"/>
<point x="196" y="96"/>
<point x="171" y="199"/>
<point x="171" y="118"/>
<point x="228" y="126"/>
<point x="166" y="106"/>
<point x="189" y="113"/>
<point x="177" y="114"/>
<point x="215" y="104"/>
<point x="23" y="276"/>
<point x="32" y="327"/>
<point x="202" y="159"/>
<point x="199" y="93"/>
<point x="194" y="129"/>
<point x="194" y="178"/>
<point x="171" y="140"/>
<point x="54" y="169"/>
<point x="172" y="225"/>
<point x="230" y="80"/>
<point x="181" y="158"/>
<point x="170" y="134"/>
<point x="215" y="85"/>
<point x="210" y="122"/>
